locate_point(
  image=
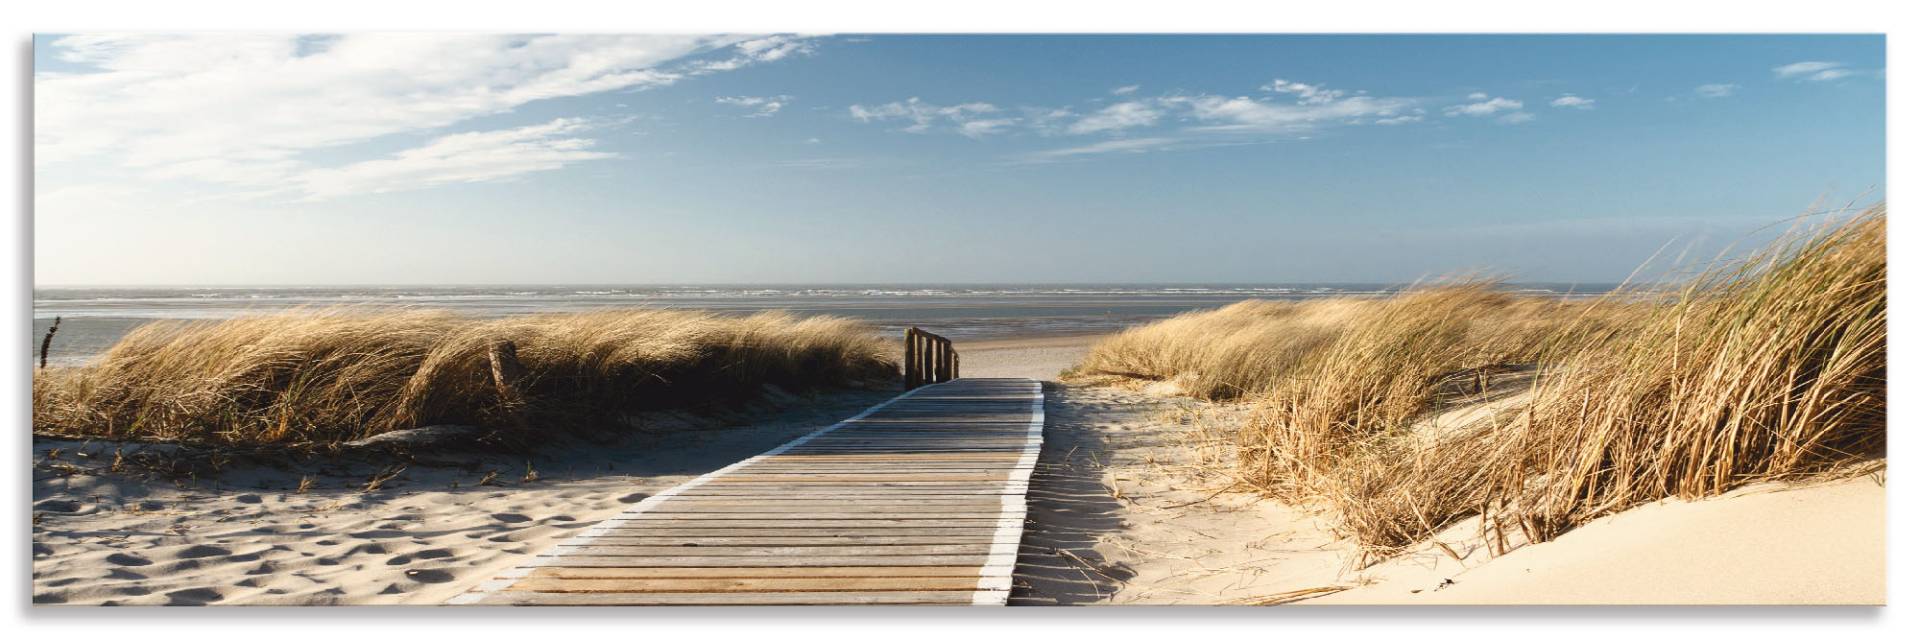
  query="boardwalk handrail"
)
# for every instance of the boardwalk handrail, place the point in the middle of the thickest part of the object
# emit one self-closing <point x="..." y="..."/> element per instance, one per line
<point x="930" y="359"/>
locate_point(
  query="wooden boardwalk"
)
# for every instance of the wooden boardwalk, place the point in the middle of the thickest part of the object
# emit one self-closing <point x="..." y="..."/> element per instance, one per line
<point x="919" y="500"/>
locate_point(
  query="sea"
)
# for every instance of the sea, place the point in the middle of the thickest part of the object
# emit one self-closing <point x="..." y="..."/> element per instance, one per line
<point x="93" y="318"/>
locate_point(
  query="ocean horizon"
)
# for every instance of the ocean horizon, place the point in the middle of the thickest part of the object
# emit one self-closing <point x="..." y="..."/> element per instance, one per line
<point x="94" y="317"/>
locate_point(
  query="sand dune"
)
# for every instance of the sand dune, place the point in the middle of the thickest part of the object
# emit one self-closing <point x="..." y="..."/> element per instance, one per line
<point x="1123" y="514"/>
<point x="1814" y="544"/>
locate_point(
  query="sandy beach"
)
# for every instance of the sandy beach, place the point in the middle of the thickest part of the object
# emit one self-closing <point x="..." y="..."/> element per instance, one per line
<point x="1040" y="358"/>
<point x="249" y="534"/>
<point x="1123" y="510"/>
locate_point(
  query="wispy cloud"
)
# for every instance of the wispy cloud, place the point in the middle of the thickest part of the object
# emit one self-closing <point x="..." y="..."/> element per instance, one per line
<point x="1129" y="145"/>
<point x="1571" y="101"/>
<point x="759" y="106"/>
<point x="1480" y="105"/>
<point x="461" y="157"/>
<point x="1812" y="71"/>
<point x="1715" y="90"/>
<point x="1123" y="115"/>
<point x="1308" y="93"/>
<point x="972" y="119"/>
<point x="820" y="164"/>
<point x="1282" y="110"/>
<point x="246" y="110"/>
<point x="1244" y="114"/>
<point x="1417" y="115"/>
<point x="765" y="49"/>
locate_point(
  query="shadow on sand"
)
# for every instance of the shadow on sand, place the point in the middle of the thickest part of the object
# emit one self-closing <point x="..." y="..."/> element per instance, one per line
<point x="1068" y="510"/>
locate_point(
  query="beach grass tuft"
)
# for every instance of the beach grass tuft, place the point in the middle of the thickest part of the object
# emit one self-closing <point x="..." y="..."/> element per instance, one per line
<point x="1766" y="368"/>
<point x="318" y="377"/>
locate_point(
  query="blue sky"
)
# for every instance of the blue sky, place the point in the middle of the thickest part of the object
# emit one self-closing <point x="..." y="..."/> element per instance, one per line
<point x="447" y="159"/>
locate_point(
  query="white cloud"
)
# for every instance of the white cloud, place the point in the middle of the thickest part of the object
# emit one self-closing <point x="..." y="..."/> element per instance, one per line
<point x="1124" y="115"/>
<point x="1417" y="116"/>
<point x="981" y="128"/>
<point x="1518" y="117"/>
<point x="1483" y="106"/>
<point x="1220" y="113"/>
<point x="1131" y="145"/>
<point x="1715" y="90"/>
<point x="1126" y="90"/>
<point x="1308" y="93"/>
<point x="1571" y="101"/>
<point x="246" y="110"/>
<point x="1812" y="71"/>
<point x="766" y="49"/>
<point x="461" y="157"/>
<point x="759" y="106"/>
<point x="1312" y="107"/>
<point x="973" y="119"/>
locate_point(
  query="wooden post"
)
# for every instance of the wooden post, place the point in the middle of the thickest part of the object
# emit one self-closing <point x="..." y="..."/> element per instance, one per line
<point x="911" y="362"/>
<point x="930" y="359"/>
<point x="926" y="359"/>
<point x="46" y="343"/>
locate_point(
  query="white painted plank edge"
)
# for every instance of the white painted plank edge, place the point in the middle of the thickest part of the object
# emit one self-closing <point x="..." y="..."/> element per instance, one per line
<point x="996" y="577"/>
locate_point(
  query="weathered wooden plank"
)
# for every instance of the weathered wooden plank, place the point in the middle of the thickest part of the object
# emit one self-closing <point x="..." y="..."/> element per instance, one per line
<point x="664" y="531"/>
<point x="831" y="507"/>
<point x="839" y="524"/>
<point x="755" y="572"/>
<point x="950" y="598"/>
<point x="918" y="500"/>
<point x="815" y="516"/>
<point x="970" y="481"/>
<point x="748" y="584"/>
<point x="577" y="561"/>
<point x="684" y="541"/>
<point x="860" y="550"/>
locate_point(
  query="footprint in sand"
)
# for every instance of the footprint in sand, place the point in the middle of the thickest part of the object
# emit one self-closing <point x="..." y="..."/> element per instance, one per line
<point x="512" y="518"/>
<point x="377" y="534"/>
<point x="64" y="507"/>
<point x="436" y="553"/>
<point x="634" y="498"/>
<point x="194" y="597"/>
<point x="202" y="551"/>
<point x="430" y="576"/>
<point x="248" y="498"/>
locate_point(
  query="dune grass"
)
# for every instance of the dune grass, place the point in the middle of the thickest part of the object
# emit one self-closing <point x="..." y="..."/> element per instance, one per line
<point x="325" y="376"/>
<point x="1769" y="368"/>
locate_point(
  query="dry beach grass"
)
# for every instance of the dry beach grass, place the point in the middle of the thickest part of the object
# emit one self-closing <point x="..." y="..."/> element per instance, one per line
<point x="326" y="376"/>
<point x="1769" y="368"/>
